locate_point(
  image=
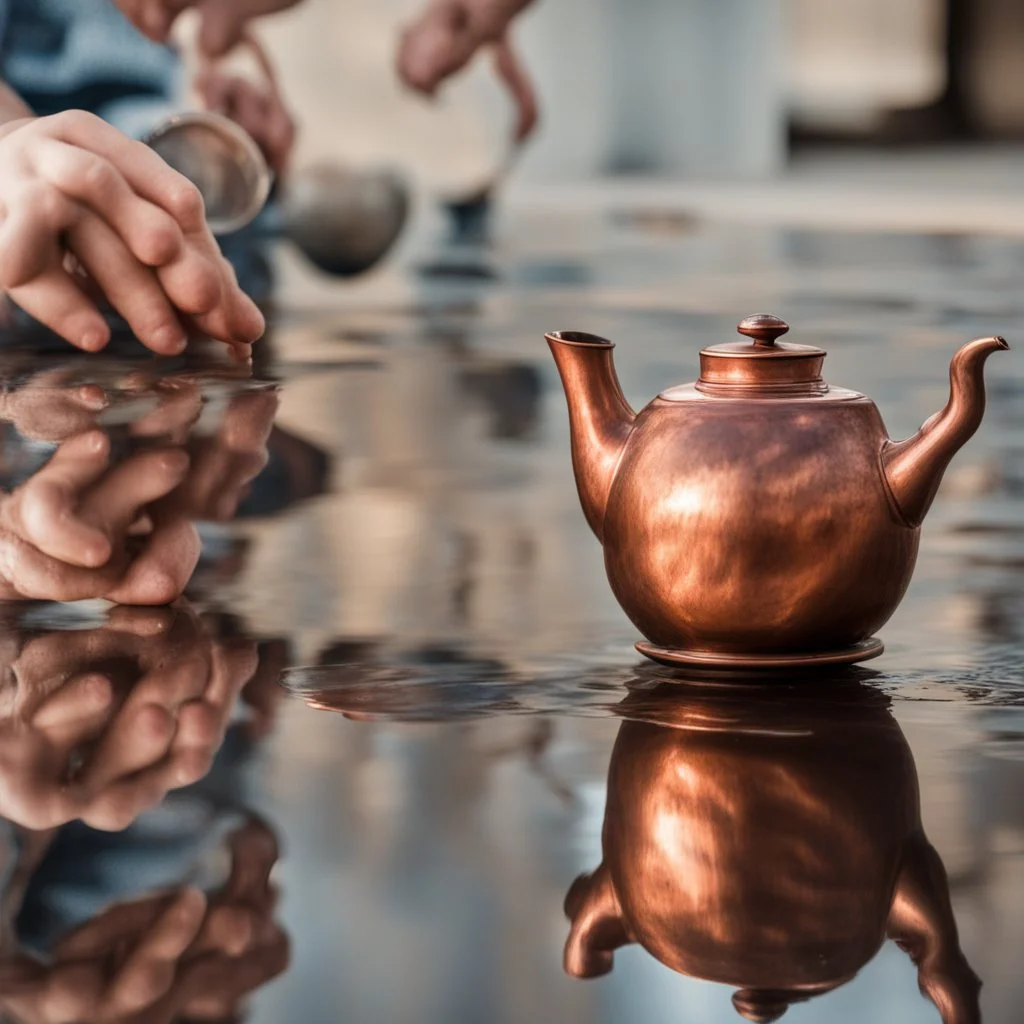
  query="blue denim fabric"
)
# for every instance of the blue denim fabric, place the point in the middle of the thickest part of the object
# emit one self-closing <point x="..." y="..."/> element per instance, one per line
<point x="84" y="54"/>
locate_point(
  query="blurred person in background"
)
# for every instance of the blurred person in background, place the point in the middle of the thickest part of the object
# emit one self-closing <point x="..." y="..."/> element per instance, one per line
<point x="448" y="34"/>
<point x="89" y="214"/>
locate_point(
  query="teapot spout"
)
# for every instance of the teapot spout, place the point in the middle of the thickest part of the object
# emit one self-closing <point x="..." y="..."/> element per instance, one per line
<point x="914" y="467"/>
<point x="600" y="419"/>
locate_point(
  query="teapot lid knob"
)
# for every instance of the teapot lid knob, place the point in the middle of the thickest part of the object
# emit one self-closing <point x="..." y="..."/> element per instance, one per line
<point x="763" y="328"/>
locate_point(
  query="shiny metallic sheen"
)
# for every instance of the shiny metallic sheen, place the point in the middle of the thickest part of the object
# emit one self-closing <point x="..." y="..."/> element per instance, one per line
<point x="770" y="841"/>
<point x="221" y="160"/>
<point x="757" y="513"/>
<point x="864" y="651"/>
<point x="343" y="220"/>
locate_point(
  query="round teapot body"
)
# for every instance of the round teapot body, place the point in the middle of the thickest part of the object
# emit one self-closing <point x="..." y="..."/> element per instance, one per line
<point x="760" y="854"/>
<point x="739" y="525"/>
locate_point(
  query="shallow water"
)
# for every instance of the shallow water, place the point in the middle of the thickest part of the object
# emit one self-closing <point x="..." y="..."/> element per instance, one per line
<point x="424" y="702"/>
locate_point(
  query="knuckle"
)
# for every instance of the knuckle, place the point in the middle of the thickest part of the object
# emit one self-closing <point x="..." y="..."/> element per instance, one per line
<point x="73" y="121"/>
<point x="142" y="984"/>
<point x="97" y="176"/>
<point x="191" y="766"/>
<point x="186" y="204"/>
<point x="111" y="814"/>
<point x="161" y="587"/>
<point x="197" y="293"/>
<point x="151" y="321"/>
<point x="45" y="201"/>
<point x="207" y="296"/>
<point x="159" y="243"/>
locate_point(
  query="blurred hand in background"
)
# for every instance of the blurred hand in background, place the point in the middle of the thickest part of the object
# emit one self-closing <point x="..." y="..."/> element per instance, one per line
<point x="448" y="34"/>
<point x="259" y="108"/>
<point x="222" y="23"/>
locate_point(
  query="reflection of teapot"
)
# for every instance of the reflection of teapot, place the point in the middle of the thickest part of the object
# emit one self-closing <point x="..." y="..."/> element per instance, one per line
<point x="757" y="516"/>
<point x="770" y="845"/>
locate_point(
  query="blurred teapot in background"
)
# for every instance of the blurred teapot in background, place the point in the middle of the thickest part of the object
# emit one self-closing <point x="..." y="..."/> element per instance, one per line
<point x="768" y="844"/>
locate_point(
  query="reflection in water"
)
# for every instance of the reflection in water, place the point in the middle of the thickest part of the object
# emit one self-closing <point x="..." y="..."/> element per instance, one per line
<point x="136" y="876"/>
<point x="100" y="719"/>
<point x="769" y="842"/>
<point x="173" y="953"/>
<point x="442" y="574"/>
<point x="110" y="463"/>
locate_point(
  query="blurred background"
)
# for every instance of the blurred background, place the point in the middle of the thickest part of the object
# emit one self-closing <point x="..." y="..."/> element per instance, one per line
<point x="669" y="88"/>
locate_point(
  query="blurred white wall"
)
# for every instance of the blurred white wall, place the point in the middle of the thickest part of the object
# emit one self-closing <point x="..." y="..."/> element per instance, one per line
<point x="849" y="63"/>
<point x="670" y="87"/>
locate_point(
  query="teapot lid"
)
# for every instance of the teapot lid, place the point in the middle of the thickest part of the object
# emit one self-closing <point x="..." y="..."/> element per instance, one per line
<point x="764" y="366"/>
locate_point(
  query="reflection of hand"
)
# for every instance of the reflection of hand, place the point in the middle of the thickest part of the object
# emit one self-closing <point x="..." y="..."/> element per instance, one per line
<point x="114" y="969"/>
<point x="86" y="206"/>
<point x="106" y="721"/>
<point x="51" y="409"/>
<point x="223" y="465"/>
<point x="263" y="693"/>
<point x="240" y="947"/>
<point x="76" y="529"/>
<point x="157" y="959"/>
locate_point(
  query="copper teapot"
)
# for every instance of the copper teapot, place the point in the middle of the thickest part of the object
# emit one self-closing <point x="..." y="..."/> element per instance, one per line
<point x="759" y="516"/>
<point x="770" y="845"/>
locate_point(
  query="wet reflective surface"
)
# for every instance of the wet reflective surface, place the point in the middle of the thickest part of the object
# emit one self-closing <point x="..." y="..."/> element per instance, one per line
<point x="391" y="755"/>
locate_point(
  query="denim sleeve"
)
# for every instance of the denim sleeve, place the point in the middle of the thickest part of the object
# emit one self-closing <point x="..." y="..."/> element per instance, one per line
<point x="63" y="54"/>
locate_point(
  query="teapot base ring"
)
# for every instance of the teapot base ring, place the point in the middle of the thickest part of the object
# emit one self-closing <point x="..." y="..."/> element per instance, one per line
<point x="863" y="651"/>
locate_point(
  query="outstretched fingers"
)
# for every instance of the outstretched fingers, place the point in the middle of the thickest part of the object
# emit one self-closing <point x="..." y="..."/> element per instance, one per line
<point x="131" y="287"/>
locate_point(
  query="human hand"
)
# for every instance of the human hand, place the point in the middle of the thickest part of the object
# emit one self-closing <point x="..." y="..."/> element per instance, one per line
<point x="446" y="36"/>
<point x="85" y="208"/>
<point x="101" y="723"/>
<point x="81" y="528"/>
<point x="259" y="109"/>
<point x="511" y="71"/>
<point x="222" y="23"/>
